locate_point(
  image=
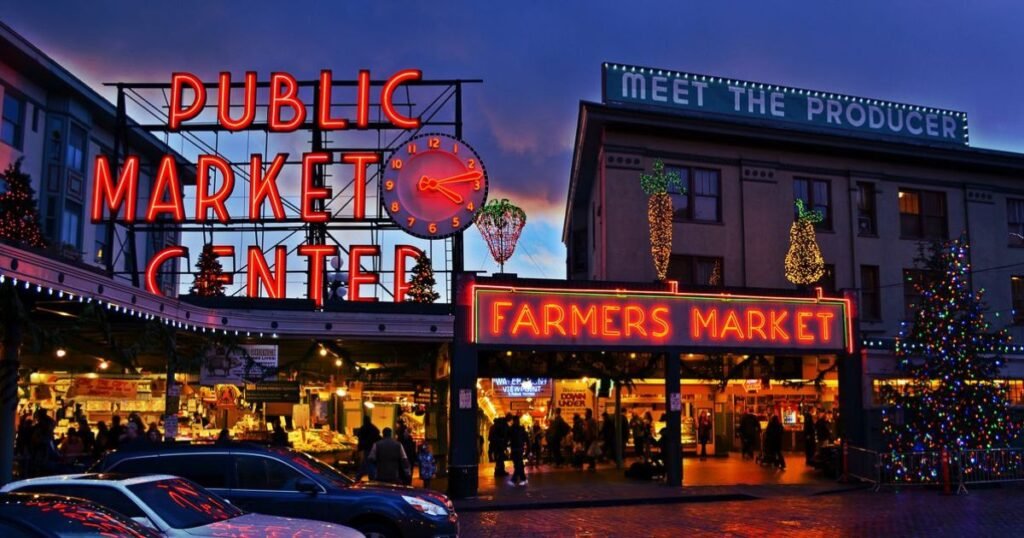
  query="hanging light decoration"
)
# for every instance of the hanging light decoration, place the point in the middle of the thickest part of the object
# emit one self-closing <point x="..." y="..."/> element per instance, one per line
<point x="804" y="263"/>
<point x="500" y="223"/>
<point x="659" y="213"/>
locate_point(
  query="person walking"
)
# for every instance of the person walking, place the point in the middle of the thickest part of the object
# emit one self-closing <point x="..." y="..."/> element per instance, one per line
<point x="536" y="440"/>
<point x="773" y="443"/>
<point x="557" y="431"/>
<point x="279" y="437"/>
<point x="823" y="428"/>
<point x="498" y="439"/>
<point x="518" y="439"/>
<point x="591" y="440"/>
<point x="389" y="458"/>
<point x="366" y="436"/>
<point x="428" y="466"/>
<point x="607" y="434"/>
<point x="404" y="436"/>
<point x="810" y="443"/>
<point x="704" y="434"/>
<point x="750" y="433"/>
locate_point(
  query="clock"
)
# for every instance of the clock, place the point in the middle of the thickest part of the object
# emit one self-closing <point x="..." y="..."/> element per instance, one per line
<point x="433" y="185"/>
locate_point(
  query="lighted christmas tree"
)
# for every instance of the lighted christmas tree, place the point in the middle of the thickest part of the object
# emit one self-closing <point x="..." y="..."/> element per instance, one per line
<point x="659" y="213"/>
<point x="804" y="263"/>
<point x="209" y="281"/>
<point x="421" y="287"/>
<point x="952" y="357"/>
<point x="19" y="213"/>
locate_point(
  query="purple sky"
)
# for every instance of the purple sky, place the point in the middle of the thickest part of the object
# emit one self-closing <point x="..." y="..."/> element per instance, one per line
<point x="538" y="59"/>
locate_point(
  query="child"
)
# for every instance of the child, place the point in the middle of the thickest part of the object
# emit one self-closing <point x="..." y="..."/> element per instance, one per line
<point x="427" y="466"/>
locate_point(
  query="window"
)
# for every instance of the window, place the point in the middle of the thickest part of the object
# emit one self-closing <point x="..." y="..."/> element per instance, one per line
<point x="913" y="279"/>
<point x="107" y="497"/>
<point x="870" y="293"/>
<point x="70" y="232"/>
<point x="76" y="149"/>
<point x="1015" y="221"/>
<point x="1017" y="293"/>
<point x="208" y="470"/>
<point x="922" y="214"/>
<point x="866" y="209"/>
<point x="181" y="504"/>
<point x="698" y="195"/>
<point x="817" y="195"/>
<point x="259" y="473"/>
<point x="100" y="243"/>
<point x="828" y="279"/>
<point x="696" y="270"/>
<point x="12" y="128"/>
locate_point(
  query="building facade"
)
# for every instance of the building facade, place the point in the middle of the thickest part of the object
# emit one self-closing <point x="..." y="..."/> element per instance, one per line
<point x="57" y="125"/>
<point x="882" y="197"/>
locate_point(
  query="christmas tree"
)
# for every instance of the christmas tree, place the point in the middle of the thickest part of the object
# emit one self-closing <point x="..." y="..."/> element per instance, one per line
<point x="209" y="281"/>
<point x="951" y="356"/>
<point x="804" y="264"/>
<point x="421" y="287"/>
<point x="19" y="215"/>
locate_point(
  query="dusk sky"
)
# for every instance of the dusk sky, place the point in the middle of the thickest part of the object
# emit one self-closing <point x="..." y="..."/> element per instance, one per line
<point x="539" y="59"/>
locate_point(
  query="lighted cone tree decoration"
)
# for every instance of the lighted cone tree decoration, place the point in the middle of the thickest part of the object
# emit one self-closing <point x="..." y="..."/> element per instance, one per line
<point x="500" y="222"/>
<point x="659" y="213"/>
<point x="421" y="287"/>
<point x="209" y="281"/>
<point x="804" y="263"/>
<point x="19" y="218"/>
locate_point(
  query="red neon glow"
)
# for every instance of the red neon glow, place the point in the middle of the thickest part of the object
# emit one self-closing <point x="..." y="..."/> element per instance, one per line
<point x="215" y="201"/>
<point x="104" y="191"/>
<point x="224" y="251"/>
<point x="363" y="101"/>
<point x="259" y="273"/>
<point x="361" y="161"/>
<point x="316" y="255"/>
<point x="403" y="253"/>
<point x="284" y="92"/>
<point x="387" y="97"/>
<point x="311" y="192"/>
<point x="153" y="267"/>
<point x="356" y="276"/>
<point x="264" y="186"/>
<point x="176" y="115"/>
<point x="224" y="102"/>
<point x="323" y="118"/>
<point x="166" y="180"/>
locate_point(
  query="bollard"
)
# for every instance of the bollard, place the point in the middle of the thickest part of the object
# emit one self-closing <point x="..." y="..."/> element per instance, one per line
<point x="944" y="462"/>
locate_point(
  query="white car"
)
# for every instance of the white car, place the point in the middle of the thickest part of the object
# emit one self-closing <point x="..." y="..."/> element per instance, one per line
<point x="177" y="507"/>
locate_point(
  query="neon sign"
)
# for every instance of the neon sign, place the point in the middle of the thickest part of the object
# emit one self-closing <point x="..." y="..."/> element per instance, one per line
<point x="521" y="387"/>
<point x="505" y="315"/>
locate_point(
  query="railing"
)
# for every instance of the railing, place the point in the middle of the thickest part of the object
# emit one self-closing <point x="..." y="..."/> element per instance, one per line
<point x="991" y="466"/>
<point x="953" y="469"/>
<point x="862" y="464"/>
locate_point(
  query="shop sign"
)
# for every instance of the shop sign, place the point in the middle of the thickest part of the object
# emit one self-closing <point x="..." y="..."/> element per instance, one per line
<point x="582" y="318"/>
<point x="83" y="388"/>
<point x="223" y="367"/>
<point x="521" y="387"/>
<point x="518" y="405"/>
<point x="574" y="398"/>
<point x="273" y="391"/>
<point x="685" y="92"/>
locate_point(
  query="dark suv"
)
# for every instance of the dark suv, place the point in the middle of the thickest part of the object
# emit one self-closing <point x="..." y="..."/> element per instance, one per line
<point x="283" y="482"/>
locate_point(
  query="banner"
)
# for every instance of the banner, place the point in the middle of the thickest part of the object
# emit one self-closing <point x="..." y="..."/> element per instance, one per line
<point x="85" y="388"/>
<point x="521" y="387"/>
<point x="574" y="397"/>
<point x="221" y="367"/>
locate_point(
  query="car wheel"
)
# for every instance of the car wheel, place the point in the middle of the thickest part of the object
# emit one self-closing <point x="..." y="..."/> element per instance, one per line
<point x="377" y="529"/>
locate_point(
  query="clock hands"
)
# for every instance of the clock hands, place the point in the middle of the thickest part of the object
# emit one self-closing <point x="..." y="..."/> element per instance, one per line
<point x="438" y="185"/>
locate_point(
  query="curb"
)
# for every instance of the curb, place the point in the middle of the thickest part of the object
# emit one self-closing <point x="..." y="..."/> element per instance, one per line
<point x="604" y="503"/>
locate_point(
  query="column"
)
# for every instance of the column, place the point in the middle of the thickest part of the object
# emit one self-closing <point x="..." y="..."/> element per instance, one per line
<point x="463" y="459"/>
<point x="673" y="417"/>
<point x="9" y="381"/>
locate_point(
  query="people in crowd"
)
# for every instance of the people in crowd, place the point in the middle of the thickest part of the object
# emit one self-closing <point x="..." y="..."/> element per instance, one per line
<point x="823" y="429"/>
<point x="279" y="437"/>
<point x="773" y="443"/>
<point x="591" y="440"/>
<point x="71" y="449"/>
<point x="579" y="441"/>
<point x="153" y="435"/>
<point x="224" y="437"/>
<point x="102" y="439"/>
<point x="810" y="443"/>
<point x="88" y="438"/>
<point x="133" y="438"/>
<point x="116" y="432"/>
<point x="389" y="458"/>
<point x="536" y="441"/>
<point x="704" y="433"/>
<point x="404" y="436"/>
<point x="518" y="440"/>
<point x="750" y="433"/>
<point x="366" y="436"/>
<point x="498" y="439"/>
<point x="607" y="435"/>
<point x="556" y="434"/>
<point x="427" y="464"/>
<point x="636" y="425"/>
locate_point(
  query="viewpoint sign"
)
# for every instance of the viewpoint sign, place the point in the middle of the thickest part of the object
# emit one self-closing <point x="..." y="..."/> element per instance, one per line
<point x="686" y="92"/>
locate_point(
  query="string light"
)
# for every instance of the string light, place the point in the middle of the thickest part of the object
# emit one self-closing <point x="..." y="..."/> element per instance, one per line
<point x="659" y="213"/>
<point x="19" y="216"/>
<point x="804" y="263"/>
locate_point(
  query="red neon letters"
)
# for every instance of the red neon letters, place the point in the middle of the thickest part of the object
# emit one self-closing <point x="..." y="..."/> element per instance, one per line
<point x="215" y="201"/>
<point x="605" y="322"/>
<point x="403" y="253"/>
<point x="176" y="115"/>
<point x="356" y="276"/>
<point x="316" y="255"/>
<point x="310" y="193"/>
<point x="125" y="193"/>
<point x="153" y="267"/>
<point x="264" y="186"/>
<point x="248" y="102"/>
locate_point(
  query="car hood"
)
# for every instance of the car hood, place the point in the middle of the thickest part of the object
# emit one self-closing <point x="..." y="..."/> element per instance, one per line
<point x="259" y="525"/>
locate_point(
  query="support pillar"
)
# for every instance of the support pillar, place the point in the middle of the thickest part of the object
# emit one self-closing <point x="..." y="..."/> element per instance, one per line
<point x="9" y="385"/>
<point x="463" y="457"/>
<point x="852" y="419"/>
<point x="673" y="448"/>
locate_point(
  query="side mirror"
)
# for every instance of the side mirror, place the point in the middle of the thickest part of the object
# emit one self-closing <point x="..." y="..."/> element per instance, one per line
<point x="305" y="485"/>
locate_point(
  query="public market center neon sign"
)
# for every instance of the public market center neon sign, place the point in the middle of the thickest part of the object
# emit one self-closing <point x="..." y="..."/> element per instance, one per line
<point x="576" y="318"/>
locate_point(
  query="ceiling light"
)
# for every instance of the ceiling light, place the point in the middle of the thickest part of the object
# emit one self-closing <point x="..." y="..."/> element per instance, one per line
<point x="323" y="351"/>
<point x="61" y="352"/>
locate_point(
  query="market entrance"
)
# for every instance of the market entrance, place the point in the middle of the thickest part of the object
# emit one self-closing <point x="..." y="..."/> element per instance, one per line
<point x="675" y="367"/>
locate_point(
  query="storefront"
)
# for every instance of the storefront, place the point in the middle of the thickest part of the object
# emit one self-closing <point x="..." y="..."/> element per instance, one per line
<point x="526" y="346"/>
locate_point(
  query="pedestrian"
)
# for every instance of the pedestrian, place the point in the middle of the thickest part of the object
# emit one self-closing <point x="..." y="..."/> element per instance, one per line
<point x="22" y="442"/>
<point x="102" y="439"/>
<point x="536" y="439"/>
<point x="607" y="434"/>
<point x="636" y="426"/>
<point x="153" y="434"/>
<point x="389" y="458"/>
<point x="428" y="466"/>
<point x="810" y="443"/>
<point x="404" y="436"/>
<point x="71" y="449"/>
<point x="133" y="439"/>
<point x="557" y="432"/>
<point x="750" y="432"/>
<point x="44" y="456"/>
<point x="498" y="439"/>
<point x="703" y="433"/>
<point x="366" y="436"/>
<point x="88" y="438"/>
<point x="279" y="437"/>
<point x="518" y="441"/>
<point x="224" y="437"/>
<point x="623" y="425"/>
<point x="116" y="432"/>
<point x="591" y="440"/>
<point x="823" y="429"/>
<point x="579" y="441"/>
<point x="773" y="443"/>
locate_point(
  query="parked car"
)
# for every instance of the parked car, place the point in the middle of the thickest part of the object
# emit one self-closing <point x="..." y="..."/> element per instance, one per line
<point x="175" y="507"/>
<point x="284" y="482"/>
<point x="32" y="515"/>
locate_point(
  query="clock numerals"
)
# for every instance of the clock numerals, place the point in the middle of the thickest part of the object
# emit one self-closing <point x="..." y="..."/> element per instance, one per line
<point x="396" y="164"/>
<point x="411" y="148"/>
<point x="411" y="221"/>
<point x="432" y="228"/>
<point x="470" y="207"/>
<point x="394" y="207"/>
<point x="456" y="222"/>
<point x="434" y="142"/>
<point x="389" y="185"/>
<point x="476" y="185"/>
<point x="471" y="164"/>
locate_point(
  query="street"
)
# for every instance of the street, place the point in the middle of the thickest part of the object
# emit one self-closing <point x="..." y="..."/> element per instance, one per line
<point x="863" y="513"/>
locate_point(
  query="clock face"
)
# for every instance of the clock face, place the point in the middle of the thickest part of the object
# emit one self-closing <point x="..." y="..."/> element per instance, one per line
<point x="433" y="186"/>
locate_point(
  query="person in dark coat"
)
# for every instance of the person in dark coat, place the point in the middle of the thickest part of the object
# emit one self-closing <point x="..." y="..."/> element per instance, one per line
<point x="518" y="438"/>
<point x="404" y="436"/>
<point x="823" y="429"/>
<point x="773" y="442"/>
<point x="390" y="459"/>
<point x="366" y="436"/>
<point x="115" y="433"/>
<point x="750" y="432"/>
<point x="498" y="439"/>
<point x="704" y="433"/>
<point x="557" y="431"/>
<point x="810" y="444"/>
<point x="607" y="435"/>
<point x="279" y="437"/>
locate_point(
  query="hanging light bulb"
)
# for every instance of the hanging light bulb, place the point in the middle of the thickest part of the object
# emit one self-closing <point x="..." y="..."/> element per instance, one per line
<point x="104" y="364"/>
<point x="60" y="353"/>
<point x="323" y="351"/>
<point x="341" y="392"/>
<point x="337" y="363"/>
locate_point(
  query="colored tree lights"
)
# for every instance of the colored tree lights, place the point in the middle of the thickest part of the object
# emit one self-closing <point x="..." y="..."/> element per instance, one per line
<point x="19" y="218"/>
<point x="951" y="400"/>
<point x="804" y="263"/>
<point x="659" y="213"/>
<point x="501" y="223"/>
<point x="421" y="288"/>
<point x="210" y="280"/>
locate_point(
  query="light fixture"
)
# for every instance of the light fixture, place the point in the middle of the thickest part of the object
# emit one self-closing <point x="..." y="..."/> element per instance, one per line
<point x="323" y="351"/>
<point x="341" y="392"/>
<point x="337" y="362"/>
<point x="632" y="355"/>
<point x="61" y="352"/>
<point x="104" y="364"/>
<point x="508" y="353"/>
<point x="369" y="405"/>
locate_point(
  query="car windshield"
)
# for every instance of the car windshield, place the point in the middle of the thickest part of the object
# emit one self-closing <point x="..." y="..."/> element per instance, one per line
<point x="313" y="465"/>
<point x="69" y="517"/>
<point x="182" y="504"/>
